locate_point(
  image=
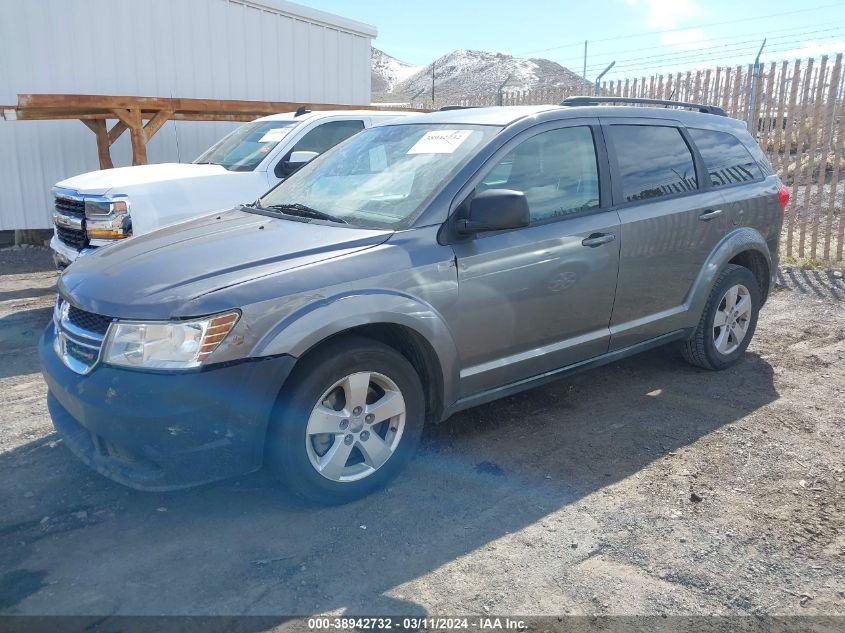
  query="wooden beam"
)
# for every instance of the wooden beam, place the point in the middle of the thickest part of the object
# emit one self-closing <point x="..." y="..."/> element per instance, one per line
<point x="103" y="143"/>
<point x="132" y="120"/>
<point x="116" y="130"/>
<point x="110" y="102"/>
<point x="154" y="124"/>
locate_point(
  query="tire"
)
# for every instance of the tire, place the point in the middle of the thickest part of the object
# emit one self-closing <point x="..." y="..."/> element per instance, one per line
<point x="714" y="347"/>
<point x="351" y="459"/>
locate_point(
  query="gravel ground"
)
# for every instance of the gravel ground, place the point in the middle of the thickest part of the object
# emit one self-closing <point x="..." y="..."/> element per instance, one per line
<point x="646" y="487"/>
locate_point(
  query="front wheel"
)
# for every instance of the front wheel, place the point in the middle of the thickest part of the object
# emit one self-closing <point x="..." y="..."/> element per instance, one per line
<point x="728" y="321"/>
<point x="350" y="418"/>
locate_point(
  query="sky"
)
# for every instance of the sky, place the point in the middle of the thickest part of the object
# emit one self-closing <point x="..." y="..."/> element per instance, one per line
<point x="643" y="37"/>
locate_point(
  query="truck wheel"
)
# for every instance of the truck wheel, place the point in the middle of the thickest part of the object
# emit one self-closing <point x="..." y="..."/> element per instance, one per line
<point x="347" y="422"/>
<point x="728" y="321"/>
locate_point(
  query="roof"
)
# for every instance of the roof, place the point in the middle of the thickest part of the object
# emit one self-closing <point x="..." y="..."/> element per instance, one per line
<point x="505" y="115"/>
<point x="313" y="114"/>
<point x="321" y="17"/>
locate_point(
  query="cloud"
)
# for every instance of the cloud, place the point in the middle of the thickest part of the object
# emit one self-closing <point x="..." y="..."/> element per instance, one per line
<point x="691" y="39"/>
<point x="809" y="49"/>
<point x="667" y="14"/>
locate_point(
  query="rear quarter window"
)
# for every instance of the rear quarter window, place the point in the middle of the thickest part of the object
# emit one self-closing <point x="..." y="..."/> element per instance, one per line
<point x="727" y="160"/>
<point x="654" y="161"/>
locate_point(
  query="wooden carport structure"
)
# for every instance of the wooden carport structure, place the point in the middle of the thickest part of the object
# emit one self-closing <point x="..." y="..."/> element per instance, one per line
<point x="144" y="116"/>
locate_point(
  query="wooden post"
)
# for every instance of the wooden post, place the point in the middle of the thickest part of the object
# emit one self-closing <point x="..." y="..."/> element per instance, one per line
<point x="98" y="127"/>
<point x="132" y="120"/>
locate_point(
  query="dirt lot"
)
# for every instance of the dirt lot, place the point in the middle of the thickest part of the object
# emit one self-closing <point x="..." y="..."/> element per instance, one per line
<point x="647" y="487"/>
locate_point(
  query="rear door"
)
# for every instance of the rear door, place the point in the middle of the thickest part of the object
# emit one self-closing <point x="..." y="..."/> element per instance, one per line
<point x="670" y="222"/>
<point x="538" y="298"/>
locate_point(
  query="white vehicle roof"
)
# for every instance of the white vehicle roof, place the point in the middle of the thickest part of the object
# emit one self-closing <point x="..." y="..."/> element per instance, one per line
<point x="316" y="114"/>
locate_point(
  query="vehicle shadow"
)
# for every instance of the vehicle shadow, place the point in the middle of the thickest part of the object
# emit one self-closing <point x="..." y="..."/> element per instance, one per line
<point x="88" y="546"/>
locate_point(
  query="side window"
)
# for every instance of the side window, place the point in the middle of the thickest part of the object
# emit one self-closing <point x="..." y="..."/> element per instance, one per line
<point x="556" y="170"/>
<point x="653" y="161"/>
<point x="726" y="159"/>
<point x="328" y="135"/>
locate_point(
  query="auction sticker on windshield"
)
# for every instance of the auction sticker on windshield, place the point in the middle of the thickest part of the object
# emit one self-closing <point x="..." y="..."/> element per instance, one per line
<point x="440" y="142"/>
<point x="275" y="135"/>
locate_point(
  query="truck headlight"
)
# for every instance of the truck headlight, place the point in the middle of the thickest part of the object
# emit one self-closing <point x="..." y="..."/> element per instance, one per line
<point x="107" y="219"/>
<point x="166" y="344"/>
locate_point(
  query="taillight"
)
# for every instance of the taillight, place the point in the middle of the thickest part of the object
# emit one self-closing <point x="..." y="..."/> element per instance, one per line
<point x="783" y="197"/>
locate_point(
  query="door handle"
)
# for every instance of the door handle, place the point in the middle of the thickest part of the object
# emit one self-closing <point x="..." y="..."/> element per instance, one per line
<point x="709" y="215"/>
<point x="597" y="239"/>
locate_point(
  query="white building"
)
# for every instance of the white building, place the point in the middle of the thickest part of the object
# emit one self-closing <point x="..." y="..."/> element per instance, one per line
<point x="269" y="50"/>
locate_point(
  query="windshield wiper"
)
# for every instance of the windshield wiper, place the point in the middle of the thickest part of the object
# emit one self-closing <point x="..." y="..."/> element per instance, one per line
<point x="303" y="211"/>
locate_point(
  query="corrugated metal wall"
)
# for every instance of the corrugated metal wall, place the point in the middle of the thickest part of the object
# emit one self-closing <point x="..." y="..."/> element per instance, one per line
<point x="219" y="49"/>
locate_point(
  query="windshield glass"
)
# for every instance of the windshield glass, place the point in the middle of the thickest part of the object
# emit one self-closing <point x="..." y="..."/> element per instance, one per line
<point x="244" y="148"/>
<point x="382" y="177"/>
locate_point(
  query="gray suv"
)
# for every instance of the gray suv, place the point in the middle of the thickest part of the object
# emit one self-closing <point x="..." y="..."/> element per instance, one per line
<point x="419" y="268"/>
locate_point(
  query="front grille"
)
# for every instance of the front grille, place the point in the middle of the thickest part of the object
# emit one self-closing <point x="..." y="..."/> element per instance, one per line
<point x="79" y="336"/>
<point x="68" y="206"/>
<point x="74" y="238"/>
<point x="88" y="320"/>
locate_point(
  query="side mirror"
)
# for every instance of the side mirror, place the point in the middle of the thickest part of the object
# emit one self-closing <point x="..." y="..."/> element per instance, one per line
<point x="294" y="161"/>
<point x="301" y="157"/>
<point x="495" y="210"/>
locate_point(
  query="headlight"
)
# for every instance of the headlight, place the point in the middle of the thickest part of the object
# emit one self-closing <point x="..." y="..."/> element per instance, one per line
<point x="166" y="344"/>
<point x="107" y="219"/>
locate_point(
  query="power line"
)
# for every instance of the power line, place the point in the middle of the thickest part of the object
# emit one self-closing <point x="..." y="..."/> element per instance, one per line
<point x="654" y="68"/>
<point x="736" y="47"/>
<point x="685" y="28"/>
<point x="756" y="35"/>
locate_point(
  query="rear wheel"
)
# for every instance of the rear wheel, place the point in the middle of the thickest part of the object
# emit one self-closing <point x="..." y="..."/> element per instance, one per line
<point x="728" y="321"/>
<point x="350" y="418"/>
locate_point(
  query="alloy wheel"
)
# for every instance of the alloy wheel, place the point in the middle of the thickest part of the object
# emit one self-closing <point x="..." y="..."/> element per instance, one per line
<point x="733" y="316"/>
<point x="355" y="427"/>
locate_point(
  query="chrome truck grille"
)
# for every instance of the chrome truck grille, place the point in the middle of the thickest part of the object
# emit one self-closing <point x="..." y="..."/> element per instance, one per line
<point x="79" y="336"/>
<point x="69" y="217"/>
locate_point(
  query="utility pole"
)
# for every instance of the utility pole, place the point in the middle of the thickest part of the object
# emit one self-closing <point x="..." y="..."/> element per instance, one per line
<point x="603" y="73"/>
<point x="584" y="74"/>
<point x="752" y="101"/>
<point x="432" y="84"/>
<point x="502" y="86"/>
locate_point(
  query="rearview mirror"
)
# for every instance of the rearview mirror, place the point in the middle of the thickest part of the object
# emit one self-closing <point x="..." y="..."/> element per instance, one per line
<point x="495" y="210"/>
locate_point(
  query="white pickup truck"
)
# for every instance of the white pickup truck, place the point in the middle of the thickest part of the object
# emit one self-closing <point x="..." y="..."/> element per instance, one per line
<point x="100" y="207"/>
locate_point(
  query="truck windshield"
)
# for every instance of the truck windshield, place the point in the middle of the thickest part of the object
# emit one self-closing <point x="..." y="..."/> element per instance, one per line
<point x="382" y="177"/>
<point x="244" y="148"/>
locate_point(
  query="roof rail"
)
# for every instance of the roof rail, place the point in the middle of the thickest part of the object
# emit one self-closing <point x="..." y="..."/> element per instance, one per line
<point x="446" y="108"/>
<point x="587" y="101"/>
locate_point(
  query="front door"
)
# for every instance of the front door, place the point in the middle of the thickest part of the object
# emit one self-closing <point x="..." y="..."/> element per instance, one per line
<point x="534" y="299"/>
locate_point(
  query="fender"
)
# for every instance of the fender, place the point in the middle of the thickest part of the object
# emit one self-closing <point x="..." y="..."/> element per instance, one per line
<point x="311" y="324"/>
<point x="735" y="242"/>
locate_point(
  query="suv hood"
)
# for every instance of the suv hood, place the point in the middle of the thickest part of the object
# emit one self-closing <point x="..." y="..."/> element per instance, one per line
<point x="98" y="183"/>
<point x="162" y="275"/>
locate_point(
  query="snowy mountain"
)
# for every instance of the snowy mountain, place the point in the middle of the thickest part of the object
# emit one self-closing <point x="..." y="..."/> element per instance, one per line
<point x="387" y="71"/>
<point x="464" y="74"/>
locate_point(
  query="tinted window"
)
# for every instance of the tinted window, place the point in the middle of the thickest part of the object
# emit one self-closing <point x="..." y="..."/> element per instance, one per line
<point x="328" y="135"/>
<point x="653" y="161"/>
<point x="556" y="171"/>
<point x="725" y="157"/>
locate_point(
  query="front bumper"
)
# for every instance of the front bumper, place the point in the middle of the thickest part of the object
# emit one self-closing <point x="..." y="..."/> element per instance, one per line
<point x="64" y="255"/>
<point x="162" y="431"/>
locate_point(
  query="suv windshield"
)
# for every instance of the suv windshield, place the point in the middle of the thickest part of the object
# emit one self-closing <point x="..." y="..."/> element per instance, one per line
<point x="382" y="177"/>
<point x="244" y="148"/>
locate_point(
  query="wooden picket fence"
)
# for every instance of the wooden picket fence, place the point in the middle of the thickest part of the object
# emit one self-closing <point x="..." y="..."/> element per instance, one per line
<point x="795" y="111"/>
